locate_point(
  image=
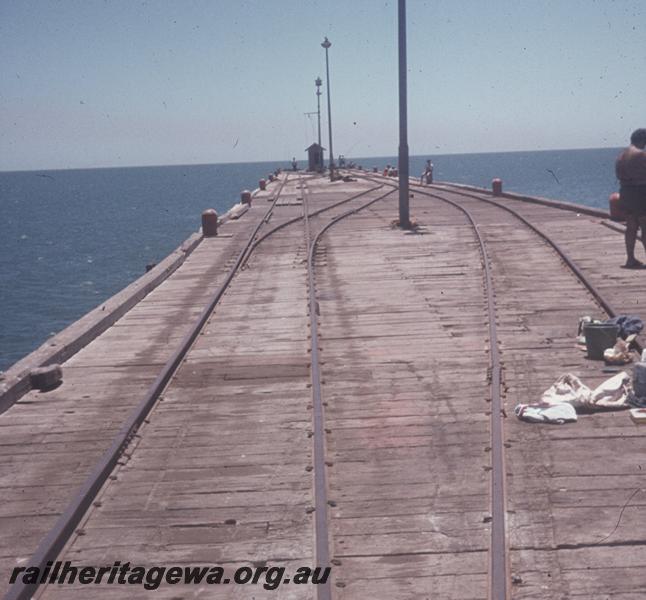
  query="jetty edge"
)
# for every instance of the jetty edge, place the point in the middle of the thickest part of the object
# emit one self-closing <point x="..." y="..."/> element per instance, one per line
<point x="15" y="381"/>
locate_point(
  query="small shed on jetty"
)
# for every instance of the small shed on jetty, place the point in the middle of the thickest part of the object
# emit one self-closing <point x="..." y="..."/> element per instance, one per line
<point x="315" y="157"/>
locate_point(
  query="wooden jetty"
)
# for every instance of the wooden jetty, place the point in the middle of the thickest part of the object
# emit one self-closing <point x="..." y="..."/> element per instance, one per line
<point x="346" y="400"/>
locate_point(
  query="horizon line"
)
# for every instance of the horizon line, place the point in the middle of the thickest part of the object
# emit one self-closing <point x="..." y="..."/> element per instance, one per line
<point x="288" y="161"/>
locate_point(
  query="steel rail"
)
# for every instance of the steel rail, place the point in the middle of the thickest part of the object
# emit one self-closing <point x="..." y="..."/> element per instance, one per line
<point x="323" y="592"/>
<point x="559" y="250"/>
<point x="54" y="541"/>
<point x="498" y="555"/>
<point x="596" y="294"/>
<point x="606" y="220"/>
<point x="321" y="501"/>
<point x="313" y="214"/>
<point x="603" y="303"/>
<point x="498" y="562"/>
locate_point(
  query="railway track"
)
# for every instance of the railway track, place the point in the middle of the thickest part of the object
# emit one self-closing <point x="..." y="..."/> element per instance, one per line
<point x="316" y="424"/>
<point x="67" y="524"/>
<point x="500" y="576"/>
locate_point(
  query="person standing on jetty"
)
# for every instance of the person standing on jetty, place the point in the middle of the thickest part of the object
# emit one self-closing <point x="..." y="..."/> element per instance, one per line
<point x="427" y="175"/>
<point x="630" y="168"/>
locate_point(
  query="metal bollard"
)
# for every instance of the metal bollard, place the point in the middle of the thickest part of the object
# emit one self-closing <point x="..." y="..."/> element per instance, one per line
<point x="209" y="223"/>
<point x="245" y="197"/>
<point x="496" y="187"/>
<point x="271" y="177"/>
<point x="617" y="213"/>
<point x="262" y="184"/>
<point x="45" y="378"/>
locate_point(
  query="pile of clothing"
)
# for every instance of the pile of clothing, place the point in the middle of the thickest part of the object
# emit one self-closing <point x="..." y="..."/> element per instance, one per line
<point x="569" y="395"/>
<point x="559" y="403"/>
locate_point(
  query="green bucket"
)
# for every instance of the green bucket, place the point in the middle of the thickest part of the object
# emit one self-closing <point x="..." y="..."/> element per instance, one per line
<point x="599" y="337"/>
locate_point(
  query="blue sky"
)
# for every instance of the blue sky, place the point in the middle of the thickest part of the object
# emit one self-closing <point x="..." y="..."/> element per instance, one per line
<point x="114" y="83"/>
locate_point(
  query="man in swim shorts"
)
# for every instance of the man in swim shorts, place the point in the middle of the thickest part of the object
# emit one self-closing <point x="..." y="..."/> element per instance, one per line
<point x="631" y="172"/>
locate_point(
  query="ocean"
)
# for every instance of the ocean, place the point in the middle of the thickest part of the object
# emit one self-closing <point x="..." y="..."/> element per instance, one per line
<point x="70" y="239"/>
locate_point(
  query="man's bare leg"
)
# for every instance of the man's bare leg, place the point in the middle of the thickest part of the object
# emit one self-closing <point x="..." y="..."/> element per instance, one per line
<point x="642" y="225"/>
<point x="632" y="225"/>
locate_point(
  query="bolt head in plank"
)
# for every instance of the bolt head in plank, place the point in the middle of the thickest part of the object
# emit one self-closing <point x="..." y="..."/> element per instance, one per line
<point x="209" y="223"/>
<point x="45" y="378"/>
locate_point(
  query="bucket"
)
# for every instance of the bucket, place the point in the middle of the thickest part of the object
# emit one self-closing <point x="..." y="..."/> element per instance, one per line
<point x="639" y="379"/>
<point x="599" y="337"/>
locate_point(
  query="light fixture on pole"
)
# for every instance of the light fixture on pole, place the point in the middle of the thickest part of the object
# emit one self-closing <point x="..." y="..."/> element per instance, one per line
<point x="326" y="44"/>
<point x="404" y="214"/>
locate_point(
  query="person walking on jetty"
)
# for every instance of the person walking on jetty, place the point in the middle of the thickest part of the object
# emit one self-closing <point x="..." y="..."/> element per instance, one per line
<point x="631" y="173"/>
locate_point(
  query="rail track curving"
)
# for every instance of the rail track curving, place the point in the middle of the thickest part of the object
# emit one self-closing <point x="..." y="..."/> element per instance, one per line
<point x="56" y="538"/>
<point x="312" y="227"/>
<point x="499" y="565"/>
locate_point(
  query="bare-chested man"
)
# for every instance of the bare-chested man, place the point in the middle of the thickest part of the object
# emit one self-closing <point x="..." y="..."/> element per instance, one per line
<point x="631" y="172"/>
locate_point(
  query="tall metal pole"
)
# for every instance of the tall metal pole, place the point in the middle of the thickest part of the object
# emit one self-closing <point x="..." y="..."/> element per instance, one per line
<point x="404" y="214"/>
<point x="326" y="44"/>
<point x="318" y="83"/>
<point x="318" y="104"/>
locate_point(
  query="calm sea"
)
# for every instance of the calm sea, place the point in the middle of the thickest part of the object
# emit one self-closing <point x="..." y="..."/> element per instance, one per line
<point x="71" y="239"/>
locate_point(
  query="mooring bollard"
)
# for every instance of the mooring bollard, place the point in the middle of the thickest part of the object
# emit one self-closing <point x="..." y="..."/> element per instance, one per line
<point x="245" y="197"/>
<point x="271" y="177"/>
<point x="209" y="223"/>
<point x="45" y="378"/>
<point x="496" y="187"/>
<point x="617" y="212"/>
<point x="262" y="184"/>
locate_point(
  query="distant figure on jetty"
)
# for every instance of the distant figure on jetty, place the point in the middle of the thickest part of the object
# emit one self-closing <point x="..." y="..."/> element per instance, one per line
<point x="631" y="173"/>
<point x="427" y="175"/>
<point x="294" y="164"/>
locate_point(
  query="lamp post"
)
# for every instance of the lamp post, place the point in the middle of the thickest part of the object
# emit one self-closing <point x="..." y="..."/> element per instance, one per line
<point x="404" y="214"/>
<point x="318" y="83"/>
<point x="326" y="44"/>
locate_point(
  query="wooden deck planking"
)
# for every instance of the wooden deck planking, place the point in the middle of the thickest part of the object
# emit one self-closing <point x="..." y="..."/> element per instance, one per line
<point x="233" y="448"/>
<point x="398" y="500"/>
<point x="404" y="350"/>
<point x="536" y="523"/>
<point x="50" y="441"/>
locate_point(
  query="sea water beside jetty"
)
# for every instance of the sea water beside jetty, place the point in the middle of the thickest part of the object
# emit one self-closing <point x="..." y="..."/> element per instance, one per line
<point x="70" y="239"/>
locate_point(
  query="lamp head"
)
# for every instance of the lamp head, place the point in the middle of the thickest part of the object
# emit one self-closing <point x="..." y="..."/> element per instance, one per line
<point x="326" y="43"/>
